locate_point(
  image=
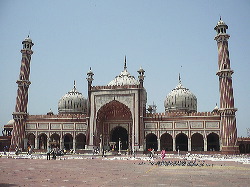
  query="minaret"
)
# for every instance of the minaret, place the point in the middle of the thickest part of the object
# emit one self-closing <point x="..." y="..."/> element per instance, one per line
<point x="23" y="83"/>
<point x="90" y="137"/>
<point x="227" y="110"/>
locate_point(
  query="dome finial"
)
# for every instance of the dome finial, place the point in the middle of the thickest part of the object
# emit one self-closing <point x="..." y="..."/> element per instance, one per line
<point x="179" y="78"/>
<point x="74" y="83"/>
<point x="125" y="63"/>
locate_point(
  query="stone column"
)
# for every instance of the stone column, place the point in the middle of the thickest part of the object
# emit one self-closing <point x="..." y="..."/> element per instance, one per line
<point x="189" y="144"/>
<point x="205" y="144"/>
<point x="144" y="144"/>
<point x="174" y="147"/>
<point x="74" y="144"/>
<point x="36" y="143"/>
<point x="61" y="143"/>
<point x="48" y="142"/>
<point x="159" y="144"/>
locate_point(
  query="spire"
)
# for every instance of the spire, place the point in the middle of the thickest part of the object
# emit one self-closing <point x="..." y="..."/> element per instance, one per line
<point x="125" y="63"/>
<point x="74" y="83"/>
<point x="179" y="78"/>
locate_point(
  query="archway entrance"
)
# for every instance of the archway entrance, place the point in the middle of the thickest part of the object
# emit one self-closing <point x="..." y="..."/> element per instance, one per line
<point x="55" y="141"/>
<point x="80" y="141"/>
<point x="114" y="121"/>
<point x="31" y="140"/>
<point x="151" y="142"/>
<point x="120" y="133"/>
<point x="197" y="143"/>
<point x="166" y="142"/>
<point x="213" y="143"/>
<point x="68" y="142"/>
<point x="182" y="142"/>
<point x="42" y="141"/>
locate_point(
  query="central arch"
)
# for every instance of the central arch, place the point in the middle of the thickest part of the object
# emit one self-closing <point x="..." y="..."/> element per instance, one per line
<point x="120" y="133"/>
<point x="114" y="121"/>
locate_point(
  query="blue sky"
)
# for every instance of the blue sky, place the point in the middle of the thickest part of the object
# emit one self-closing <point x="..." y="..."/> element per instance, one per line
<point x="164" y="37"/>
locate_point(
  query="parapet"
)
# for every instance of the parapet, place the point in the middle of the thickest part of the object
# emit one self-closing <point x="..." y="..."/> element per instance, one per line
<point x="114" y="87"/>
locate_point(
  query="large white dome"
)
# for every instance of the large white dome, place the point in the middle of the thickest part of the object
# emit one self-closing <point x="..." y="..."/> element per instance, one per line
<point x="180" y="99"/>
<point x="124" y="78"/>
<point x="72" y="102"/>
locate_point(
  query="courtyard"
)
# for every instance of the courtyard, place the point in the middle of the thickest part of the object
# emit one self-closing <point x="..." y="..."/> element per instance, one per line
<point x="88" y="170"/>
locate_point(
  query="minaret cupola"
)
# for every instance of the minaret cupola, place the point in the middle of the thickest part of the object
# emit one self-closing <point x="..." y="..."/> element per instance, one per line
<point x="221" y="27"/>
<point x="27" y="43"/>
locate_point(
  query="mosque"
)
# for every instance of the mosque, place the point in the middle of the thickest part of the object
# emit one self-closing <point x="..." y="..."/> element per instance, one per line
<point x="116" y="115"/>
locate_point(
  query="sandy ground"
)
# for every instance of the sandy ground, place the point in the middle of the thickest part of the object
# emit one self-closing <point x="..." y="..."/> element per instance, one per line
<point x="79" y="170"/>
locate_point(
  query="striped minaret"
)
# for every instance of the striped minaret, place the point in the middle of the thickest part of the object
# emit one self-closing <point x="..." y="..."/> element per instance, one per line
<point x="23" y="83"/>
<point x="227" y="110"/>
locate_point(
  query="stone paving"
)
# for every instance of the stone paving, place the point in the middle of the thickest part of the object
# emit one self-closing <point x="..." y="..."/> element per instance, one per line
<point x="80" y="170"/>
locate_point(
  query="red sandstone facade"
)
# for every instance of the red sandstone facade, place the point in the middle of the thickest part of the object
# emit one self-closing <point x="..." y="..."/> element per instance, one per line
<point x="117" y="113"/>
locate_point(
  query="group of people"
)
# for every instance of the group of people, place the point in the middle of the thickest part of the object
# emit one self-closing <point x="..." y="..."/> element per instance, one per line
<point x="54" y="152"/>
<point x="152" y="152"/>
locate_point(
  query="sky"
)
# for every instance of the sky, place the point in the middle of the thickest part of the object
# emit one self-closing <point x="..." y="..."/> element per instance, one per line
<point x="163" y="37"/>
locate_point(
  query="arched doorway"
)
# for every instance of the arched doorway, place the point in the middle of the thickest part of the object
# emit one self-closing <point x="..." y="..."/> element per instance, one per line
<point x="120" y="133"/>
<point x="55" y="141"/>
<point x="80" y="141"/>
<point x="242" y="148"/>
<point x="197" y="143"/>
<point x="151" y="142"/>
<point x="166" y="142"/>
<point x="181" y="142"/>
<point x="31" y="140"/>
<point x="213" y="142"/>
<point x="42" y="141"/>
<point x="68" y="141"/>
<point x="109" y="116"/>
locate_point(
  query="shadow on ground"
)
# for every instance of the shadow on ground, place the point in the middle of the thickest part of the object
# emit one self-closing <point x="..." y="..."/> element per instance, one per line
<point x="7" y="185"/>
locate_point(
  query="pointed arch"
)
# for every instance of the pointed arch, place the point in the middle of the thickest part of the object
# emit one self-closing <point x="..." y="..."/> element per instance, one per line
<point x="213" y="142"/>
<point x="166" y="142"/>
<point x="31" y="140"/>
<point x="114" y="110"/>
<point x="80" y="141"/>
<point x="112" y="113"/>
<point x="151" y="141"/>
<point x="68" y="141"/>
<point x="55" y="140"/>
<point x="119" y="133"/>
<point x="197" y="142"/>
<point x="181" y="142"/>
<point x="42" y="141"/>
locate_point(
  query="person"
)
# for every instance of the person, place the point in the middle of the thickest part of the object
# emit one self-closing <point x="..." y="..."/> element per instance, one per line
<point x="163" y="153"/>
<point x="153" y="152"/>
<point x="54" y="154"/>
<point x="48" y="153"/>
<point x="17" y="150"/>
<point x="4" y="149"/>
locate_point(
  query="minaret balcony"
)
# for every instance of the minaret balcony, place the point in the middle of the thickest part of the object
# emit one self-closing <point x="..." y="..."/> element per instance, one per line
<point x="23" y="83"/>
<point x="225" y="73"/>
